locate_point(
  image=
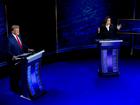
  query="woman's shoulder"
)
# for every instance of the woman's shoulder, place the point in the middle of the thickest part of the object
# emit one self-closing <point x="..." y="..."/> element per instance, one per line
<point x="113" y="26"/>
<point x="102" y="26"/>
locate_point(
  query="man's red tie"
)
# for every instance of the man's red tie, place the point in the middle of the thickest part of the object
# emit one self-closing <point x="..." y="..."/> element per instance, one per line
<point x="18" y="41"/>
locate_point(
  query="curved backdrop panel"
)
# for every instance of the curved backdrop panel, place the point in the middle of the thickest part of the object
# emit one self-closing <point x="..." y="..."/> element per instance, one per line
<point x="2" y="29"/>
<point x="78" y="21"/>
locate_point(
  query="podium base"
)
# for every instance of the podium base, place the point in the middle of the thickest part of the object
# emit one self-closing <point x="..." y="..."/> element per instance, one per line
<point x="25" y="97"/>
<point x="109" y="74"/>
<point x="38" y="95"/>
<point x="30" y="98"/>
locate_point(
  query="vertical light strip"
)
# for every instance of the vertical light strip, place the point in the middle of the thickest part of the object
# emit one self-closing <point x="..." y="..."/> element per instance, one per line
<point x="134" y="10"/>
<point x="56" y="27"/>
<point x="115" y="60"/>
<point x="103" y="60"/>
<point x="6" y="18"/>
<point x="134" y="16"/>
<point x="29" y="79"/>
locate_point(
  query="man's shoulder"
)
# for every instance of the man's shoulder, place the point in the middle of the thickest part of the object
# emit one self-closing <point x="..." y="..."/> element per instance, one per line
<point x="10" y="36"/>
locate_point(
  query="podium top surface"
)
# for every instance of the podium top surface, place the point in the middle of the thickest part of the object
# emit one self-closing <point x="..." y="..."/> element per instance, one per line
<point x="35" y="56"/>
<point x="110" y="41"/>
<point x="23" y="55"/>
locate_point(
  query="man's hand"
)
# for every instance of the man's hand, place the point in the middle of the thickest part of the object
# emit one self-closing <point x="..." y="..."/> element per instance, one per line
<point x="31" y="50"/>
<point x="14" y="58"/>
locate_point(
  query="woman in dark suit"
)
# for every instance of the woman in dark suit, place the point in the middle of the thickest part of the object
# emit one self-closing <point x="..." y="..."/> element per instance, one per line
<point x="108" y="30"/>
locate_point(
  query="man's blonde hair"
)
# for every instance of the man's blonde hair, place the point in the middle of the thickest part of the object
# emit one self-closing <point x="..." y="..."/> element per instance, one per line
<point x="14" y="27"/>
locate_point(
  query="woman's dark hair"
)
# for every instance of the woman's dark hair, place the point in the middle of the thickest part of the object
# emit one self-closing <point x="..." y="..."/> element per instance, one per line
<point x="105" y="20"/>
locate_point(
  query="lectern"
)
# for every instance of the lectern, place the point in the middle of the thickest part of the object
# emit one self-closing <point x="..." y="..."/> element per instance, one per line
<point x="30" y="82"/>
<point x="109" y="52"/>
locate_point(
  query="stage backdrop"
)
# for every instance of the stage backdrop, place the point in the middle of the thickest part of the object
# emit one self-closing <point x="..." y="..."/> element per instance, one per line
<point x="78" y="20"/>
<point x="2" y="29"/>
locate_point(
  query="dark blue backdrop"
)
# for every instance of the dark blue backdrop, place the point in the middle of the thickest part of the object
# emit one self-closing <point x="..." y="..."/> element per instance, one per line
<point x="2" y="18"/>
<point x="2" y="29"/>
<point x="78" y="21"/>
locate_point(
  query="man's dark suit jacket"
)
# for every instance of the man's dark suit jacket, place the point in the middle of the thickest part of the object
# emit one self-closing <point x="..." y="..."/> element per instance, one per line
<point x="14" y="48"/>
<point x="105" y="34"/>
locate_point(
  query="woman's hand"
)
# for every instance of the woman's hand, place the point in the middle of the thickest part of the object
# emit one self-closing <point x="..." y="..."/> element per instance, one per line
<point x="119" y="26"/>
<point x="98" y="30"/>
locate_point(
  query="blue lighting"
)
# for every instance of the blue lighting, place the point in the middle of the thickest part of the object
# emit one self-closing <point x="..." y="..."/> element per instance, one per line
<point x="2" y="29"/>
<point x="130" y="25"/>
<point x="78" y="21"/>
<point x="2" y="19"/>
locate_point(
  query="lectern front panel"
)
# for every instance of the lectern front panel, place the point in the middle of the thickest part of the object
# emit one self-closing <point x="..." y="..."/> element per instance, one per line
<point x="34" y="81"/>
<point x="31" y="79"/>
<point x="109" y="60"/>
<point x="109" y="50"/>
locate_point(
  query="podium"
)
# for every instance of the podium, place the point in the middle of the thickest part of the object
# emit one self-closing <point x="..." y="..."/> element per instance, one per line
<point x="30" y="82"/>
<point x="109" y="53"/>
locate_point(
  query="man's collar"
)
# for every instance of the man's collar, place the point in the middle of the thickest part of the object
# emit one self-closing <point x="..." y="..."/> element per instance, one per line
<point x="13" y="34"/>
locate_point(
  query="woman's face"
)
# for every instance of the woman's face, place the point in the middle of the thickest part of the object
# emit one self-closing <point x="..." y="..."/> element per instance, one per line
<point x="108" y="22"/>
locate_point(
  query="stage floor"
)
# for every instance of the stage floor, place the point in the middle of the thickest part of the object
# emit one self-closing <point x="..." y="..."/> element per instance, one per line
<point x="76" y="82"/>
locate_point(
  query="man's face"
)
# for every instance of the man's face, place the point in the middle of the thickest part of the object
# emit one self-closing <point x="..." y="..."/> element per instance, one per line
<point x="16" y="31"/>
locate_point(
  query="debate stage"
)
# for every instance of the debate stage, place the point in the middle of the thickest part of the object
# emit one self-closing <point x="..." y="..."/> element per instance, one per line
<point x="75" y="81"/>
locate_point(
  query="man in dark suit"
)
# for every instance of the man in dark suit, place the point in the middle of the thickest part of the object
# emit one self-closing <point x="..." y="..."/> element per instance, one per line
<point x="15" y="48"/>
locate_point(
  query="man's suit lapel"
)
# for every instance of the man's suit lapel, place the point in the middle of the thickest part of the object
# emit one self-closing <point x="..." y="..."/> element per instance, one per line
<point x="14" y="39"/>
